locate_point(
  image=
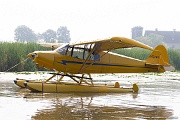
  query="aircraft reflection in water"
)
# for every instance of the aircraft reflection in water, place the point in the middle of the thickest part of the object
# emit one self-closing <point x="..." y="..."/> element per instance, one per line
<point x="78" y="60"/>
<point x="89" y="106"/>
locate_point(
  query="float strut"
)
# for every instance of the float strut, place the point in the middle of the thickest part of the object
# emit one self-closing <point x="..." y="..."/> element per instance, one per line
<point x="51" y="77"/>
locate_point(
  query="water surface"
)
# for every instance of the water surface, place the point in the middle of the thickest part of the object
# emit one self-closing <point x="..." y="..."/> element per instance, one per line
<point x="158" y="98"/>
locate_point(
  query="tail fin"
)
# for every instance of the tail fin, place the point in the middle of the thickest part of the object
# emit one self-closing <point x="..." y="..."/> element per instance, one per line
<point x="159" y="56"/>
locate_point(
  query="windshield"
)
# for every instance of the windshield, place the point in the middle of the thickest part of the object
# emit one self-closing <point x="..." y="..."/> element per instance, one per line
<point x="62" y="49"/>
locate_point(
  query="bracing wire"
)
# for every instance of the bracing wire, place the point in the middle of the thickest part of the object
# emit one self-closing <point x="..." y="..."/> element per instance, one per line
<point x="16" y="65"/>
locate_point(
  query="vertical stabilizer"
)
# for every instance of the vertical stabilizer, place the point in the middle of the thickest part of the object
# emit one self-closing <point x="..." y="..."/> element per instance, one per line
<point x="159" y="56"/>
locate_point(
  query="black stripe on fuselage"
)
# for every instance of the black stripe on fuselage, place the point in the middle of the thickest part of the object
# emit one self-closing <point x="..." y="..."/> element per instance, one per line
<point x="64" y="62"/>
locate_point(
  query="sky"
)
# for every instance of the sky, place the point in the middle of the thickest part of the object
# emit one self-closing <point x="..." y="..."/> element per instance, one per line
<point x="88" y="19"/>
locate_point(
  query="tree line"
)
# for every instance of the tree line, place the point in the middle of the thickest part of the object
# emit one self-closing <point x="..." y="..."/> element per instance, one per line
<point x="16" y="52"/>
<point x="25" y="34"/>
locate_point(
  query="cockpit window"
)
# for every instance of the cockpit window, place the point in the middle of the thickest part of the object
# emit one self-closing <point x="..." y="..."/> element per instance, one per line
<point x="79" y="51"/>
<point x="62" y="49"/>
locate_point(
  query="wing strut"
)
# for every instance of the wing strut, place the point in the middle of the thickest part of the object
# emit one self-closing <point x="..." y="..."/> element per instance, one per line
<point x="95" y="60"/>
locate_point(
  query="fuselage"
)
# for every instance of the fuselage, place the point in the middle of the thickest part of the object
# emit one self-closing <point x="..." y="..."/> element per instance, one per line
<point x="75" y="60"/>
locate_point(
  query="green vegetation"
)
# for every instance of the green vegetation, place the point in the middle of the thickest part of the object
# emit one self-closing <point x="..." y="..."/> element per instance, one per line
<point x="14" y="53"/>
<point x="174" y="58"/>
<point x="137" y="53"/>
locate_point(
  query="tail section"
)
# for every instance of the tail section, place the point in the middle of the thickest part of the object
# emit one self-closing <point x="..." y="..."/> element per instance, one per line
<point x="158" y="57"/>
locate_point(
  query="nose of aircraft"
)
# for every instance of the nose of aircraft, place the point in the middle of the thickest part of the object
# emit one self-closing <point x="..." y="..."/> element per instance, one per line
<point x="43" y="58"/>
<point x="15" y="81"/>
<point x="25" y="84"/>
<point x="32" y="55"/>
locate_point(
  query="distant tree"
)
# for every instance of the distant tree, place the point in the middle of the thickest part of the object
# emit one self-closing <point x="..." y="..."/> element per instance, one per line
<point x="40" y="38"/>
<point x="49" y="36"/>
<point x="63" y="35"/>
<point x="24" y="34"/>
<point x="152" y="40"/>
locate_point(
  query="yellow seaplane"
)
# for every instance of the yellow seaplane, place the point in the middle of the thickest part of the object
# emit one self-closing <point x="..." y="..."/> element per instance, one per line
<point x="80" y="60"/>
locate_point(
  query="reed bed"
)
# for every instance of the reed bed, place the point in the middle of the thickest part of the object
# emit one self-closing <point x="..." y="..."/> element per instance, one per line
<point x="14" y="53"/>
<point x="137" y="53"/>
<point x="174" y="58"/>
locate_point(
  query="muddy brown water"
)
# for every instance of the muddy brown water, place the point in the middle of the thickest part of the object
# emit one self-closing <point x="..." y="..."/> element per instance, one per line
<point x="158" y="98"/>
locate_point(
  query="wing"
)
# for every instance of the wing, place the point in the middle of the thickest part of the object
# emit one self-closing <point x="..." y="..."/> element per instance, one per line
<point x="51" y="45"/>
<point x="115" y="43"/>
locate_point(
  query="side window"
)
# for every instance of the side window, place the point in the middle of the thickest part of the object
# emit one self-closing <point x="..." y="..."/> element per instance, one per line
<point x="87" y="49"/>
<point x="86" y="53"/>
<point x="78" y="52"/>
<point x="82" y="52"/>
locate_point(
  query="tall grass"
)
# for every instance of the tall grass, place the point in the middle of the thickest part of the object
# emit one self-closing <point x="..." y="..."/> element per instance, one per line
<point x="13" y="53"/>
<point x="137" y="53"/>
<point x="174" y="58"/>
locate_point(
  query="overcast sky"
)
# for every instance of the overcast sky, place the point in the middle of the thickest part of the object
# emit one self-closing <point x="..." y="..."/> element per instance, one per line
<point x="88" y="19"/>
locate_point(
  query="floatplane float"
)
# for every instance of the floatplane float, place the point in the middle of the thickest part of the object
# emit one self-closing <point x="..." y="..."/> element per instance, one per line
<point x="79" y="60"/>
